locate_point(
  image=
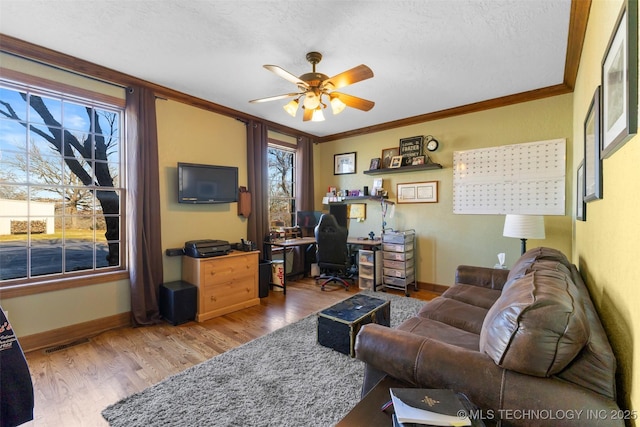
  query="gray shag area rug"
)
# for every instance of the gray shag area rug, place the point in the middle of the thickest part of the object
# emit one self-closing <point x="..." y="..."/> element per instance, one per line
<point x="284" y="378"/>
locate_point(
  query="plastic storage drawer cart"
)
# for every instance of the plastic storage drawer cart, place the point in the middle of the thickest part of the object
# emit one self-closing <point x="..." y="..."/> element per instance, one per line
<point x="398" y="263"/>
<point x="369" y="269"/>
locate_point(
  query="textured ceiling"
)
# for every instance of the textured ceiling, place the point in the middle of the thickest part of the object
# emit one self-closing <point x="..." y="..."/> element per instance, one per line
<point x="426" y="55"/>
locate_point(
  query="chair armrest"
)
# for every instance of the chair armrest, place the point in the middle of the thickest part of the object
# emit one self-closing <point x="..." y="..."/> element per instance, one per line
<point x="492" y="278"/>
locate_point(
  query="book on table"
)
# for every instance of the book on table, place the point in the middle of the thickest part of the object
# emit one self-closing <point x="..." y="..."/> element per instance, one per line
<point x="438" y="407"/>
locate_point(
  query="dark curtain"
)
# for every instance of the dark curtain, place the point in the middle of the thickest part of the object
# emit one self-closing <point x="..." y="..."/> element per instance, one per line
<point x="257" y="177"/>
<point x="143" y="206"/>
<point x="304" y="174"/>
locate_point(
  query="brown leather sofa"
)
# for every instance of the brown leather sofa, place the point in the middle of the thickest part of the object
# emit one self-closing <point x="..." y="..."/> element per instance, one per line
<point x="525" y="345"/>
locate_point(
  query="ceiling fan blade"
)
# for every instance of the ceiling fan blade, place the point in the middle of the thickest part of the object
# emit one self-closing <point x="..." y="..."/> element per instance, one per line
<point x="286" y="75"/>
<point x="349" y="77"/>
<point x="308" y="113"/>
<point x="354" y="101"/>
<point x="274" y="98"/>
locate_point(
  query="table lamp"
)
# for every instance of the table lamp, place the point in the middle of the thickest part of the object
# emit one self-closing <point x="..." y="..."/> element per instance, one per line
<point x="524" y="227"/>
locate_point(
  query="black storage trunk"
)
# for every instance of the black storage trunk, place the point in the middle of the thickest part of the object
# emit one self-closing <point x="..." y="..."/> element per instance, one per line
<point x="178" y="302"/>
<point x="338" y="325"/>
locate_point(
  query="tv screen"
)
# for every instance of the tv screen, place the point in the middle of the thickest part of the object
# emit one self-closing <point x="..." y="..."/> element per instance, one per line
<point x="207" y="183"/>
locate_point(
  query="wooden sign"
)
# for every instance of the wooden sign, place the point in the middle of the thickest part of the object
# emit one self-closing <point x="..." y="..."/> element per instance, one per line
<point x="410" y="148"/>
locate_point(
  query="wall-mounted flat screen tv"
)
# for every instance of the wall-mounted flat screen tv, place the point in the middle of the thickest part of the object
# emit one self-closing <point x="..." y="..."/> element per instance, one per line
<point x="207" y="183"/>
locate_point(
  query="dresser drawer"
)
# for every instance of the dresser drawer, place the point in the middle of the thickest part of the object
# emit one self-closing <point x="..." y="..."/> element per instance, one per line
<point x="221" y="271"/>
<point x="227" y="293"/>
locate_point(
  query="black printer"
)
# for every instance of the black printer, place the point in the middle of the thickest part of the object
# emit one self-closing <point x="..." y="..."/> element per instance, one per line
<point x="206" y="248"/>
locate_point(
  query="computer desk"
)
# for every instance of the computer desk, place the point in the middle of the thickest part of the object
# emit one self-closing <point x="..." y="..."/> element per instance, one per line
<point x="306" y="241"/>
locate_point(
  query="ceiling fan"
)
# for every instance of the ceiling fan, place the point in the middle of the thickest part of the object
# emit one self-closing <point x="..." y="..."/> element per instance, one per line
<point x="314" y="86"/>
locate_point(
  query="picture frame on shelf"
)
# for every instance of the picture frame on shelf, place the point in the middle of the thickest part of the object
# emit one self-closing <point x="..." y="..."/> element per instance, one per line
<point x="581" y="206"/>
<point x="375" y="163"/>
<point x="410" y="148"/>
<point x="620" y="82"/>
<point x="417" y="160"/>
<point x="377" y="185"/>
<point x="344" y="163"/>
<point x="387" y="155"/>
<point x="418" y="192"/>
<point x="396" y="162"/>
<point x="592" y="159"/>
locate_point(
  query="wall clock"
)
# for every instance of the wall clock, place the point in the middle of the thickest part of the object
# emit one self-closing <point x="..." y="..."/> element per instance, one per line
<point x="431" y="143"/>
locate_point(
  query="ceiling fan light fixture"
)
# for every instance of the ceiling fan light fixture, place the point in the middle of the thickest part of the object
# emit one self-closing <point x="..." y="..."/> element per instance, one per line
<point x="292" y="107"/>
<point x="337" y="105"/>
<point x="313" y="86"/>
<point x="311" y="100"/>
<point x="317" y="115"/>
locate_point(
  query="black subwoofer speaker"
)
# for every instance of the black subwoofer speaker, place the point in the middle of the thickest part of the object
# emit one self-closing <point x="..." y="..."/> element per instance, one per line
<point x="178" y="302"/>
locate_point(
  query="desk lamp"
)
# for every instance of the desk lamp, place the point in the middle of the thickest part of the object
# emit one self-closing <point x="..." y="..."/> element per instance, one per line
<point x="524" y="227"/>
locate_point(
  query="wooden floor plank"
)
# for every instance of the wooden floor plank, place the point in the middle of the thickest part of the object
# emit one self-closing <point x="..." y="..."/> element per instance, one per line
<point x="73" y="385"/>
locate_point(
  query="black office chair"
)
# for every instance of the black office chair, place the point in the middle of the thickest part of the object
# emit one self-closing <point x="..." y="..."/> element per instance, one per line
<point x="332" y="255"/>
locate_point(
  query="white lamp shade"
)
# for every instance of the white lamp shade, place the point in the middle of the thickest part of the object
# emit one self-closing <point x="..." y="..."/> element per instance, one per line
<point x="337" y="106"/>
<point x="291" y="107"/>
<point x="317" y="115"/>
<point x="524" y="226"/>
<point x="311" y="101"/>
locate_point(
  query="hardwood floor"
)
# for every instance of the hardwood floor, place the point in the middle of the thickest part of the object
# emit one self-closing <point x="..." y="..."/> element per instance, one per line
<point x="74" y="384"/>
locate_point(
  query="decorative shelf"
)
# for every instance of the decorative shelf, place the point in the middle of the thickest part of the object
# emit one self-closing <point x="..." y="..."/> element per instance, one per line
<point x="352" y="198"/>
<point x="348" y="199"/>
<point x="408" y="168"/>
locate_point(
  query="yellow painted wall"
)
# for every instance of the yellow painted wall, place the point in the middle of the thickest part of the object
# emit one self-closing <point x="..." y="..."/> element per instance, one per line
<point x="607" y="245"/>
<point x="192" y="135"/>
<point x="445" y="240"/>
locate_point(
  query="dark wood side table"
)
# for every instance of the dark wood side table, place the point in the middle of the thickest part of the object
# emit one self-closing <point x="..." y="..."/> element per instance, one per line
<point x="368" y="412"/>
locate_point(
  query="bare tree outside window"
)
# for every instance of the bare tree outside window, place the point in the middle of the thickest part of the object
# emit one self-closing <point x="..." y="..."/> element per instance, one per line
<point x="61" y="162"/>
<point x="282" y="196"/>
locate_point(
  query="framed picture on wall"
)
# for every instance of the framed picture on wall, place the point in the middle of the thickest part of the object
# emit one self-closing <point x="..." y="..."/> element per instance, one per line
<point x="418" y="192"/>
<point x="592" y="160"/>
<point x="581" y="206"/>
<point x="620" y="82"/>
<point x="344" y="163"/>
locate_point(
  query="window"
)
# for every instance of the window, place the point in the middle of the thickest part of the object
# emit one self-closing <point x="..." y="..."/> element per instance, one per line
<point x="61" y="185"/>
<point x="282" y="186"/>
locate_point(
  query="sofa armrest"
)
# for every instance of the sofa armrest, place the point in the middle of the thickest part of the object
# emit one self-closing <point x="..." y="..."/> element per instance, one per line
<point x="420" y="360"/>
<point x="492" y="278"/>
<point x="501" y="394"/>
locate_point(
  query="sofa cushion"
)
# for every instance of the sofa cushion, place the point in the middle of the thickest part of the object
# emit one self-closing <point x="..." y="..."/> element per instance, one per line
<point x="537" y="326"/>
<point x="533" y="257"/>
<point x="472" y="294"/>
<point x="455" y="313"/>
<point x="439" y="331"/>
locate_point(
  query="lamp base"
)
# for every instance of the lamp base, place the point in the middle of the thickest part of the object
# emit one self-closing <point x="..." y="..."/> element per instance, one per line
<point x="523" y="246"/>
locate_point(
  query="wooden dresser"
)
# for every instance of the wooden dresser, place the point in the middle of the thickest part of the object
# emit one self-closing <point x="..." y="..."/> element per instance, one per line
<point x="225" y="283"/>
